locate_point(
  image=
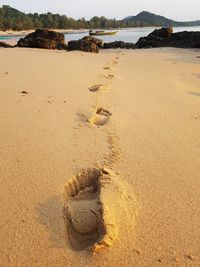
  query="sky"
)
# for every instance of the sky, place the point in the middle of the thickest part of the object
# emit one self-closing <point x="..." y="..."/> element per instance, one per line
<point x="182" y="10"/>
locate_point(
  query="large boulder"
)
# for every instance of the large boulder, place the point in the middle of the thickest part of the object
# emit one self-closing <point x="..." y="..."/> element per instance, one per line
<point x="87" y="44"/>
<point x="119" y="44"/>
<point x="163" y="32"/>
<point x="184" y="40"/>
<point x="44" y="39"/>
<point x="5" y="45"/>
<point x="149" y="42"/>
<point x="155" y="38"/>
<point x="166" y="38"/>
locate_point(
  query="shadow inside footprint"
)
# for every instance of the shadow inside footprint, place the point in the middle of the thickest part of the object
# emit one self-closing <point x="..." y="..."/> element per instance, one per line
<point x="101" y="117"/>
<point x="109" y="76"/>
<point x="98" y="87"/>
<point x="87" y="223"/>
<point x="95" y="87"/>
<point x="107" y="68"/>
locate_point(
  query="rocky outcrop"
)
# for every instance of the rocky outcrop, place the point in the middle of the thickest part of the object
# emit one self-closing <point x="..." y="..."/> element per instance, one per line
<point x="119" y="44"/>
<point x="163" y="32"/>
<point x="166" y="38"/>
<point x="184" y="40"/>
<point x="44" y="39"/>
<point x="5" y="45"/>
<point x="87" y="44"/>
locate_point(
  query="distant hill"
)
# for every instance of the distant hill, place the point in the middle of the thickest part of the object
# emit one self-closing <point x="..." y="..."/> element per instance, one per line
<point x="13" y="19"/>
<point x="149" y="19"/>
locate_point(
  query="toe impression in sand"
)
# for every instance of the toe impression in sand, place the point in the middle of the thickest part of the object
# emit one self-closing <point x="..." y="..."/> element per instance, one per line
<point x="101" y="117"/>
<point x="109" y="76"/>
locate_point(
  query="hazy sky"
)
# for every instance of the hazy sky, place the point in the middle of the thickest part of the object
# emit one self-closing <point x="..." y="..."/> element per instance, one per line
<point x="175" y="9"/>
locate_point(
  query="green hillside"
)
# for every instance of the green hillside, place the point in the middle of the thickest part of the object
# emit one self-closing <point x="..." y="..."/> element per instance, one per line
<point x="149" y="19"/>
<point x="12" y="19"/>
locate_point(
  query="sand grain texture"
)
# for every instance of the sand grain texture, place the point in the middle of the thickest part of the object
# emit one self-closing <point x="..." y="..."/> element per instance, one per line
<point x="151" y="143"/>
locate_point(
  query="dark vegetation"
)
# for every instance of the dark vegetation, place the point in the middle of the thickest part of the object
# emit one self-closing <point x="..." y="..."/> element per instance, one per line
<point x="148" y="19"/>
<point x="12" y="19"/>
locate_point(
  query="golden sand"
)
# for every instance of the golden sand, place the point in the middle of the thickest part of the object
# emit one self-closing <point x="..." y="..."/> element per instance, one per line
<point x="140" y="135"/>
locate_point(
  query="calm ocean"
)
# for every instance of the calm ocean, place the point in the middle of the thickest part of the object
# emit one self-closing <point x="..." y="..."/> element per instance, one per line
<point x="126" y="35"/>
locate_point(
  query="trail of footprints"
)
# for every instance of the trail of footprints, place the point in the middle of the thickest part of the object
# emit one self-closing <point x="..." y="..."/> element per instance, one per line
<point x="90" y="213"/>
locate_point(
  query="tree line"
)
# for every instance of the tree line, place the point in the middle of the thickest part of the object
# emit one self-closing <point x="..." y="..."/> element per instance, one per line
<point x="12" y="19"/>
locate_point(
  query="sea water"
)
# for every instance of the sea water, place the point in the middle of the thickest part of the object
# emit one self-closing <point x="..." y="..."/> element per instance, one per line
<point x="127" y="35"/>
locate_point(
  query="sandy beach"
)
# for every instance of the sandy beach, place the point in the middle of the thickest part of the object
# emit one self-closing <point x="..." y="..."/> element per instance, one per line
<point x="135" y="114"/>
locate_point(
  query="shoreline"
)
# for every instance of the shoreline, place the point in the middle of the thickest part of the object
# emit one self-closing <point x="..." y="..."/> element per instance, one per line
<point x="10" y="33"/>
<point x="164" y="37"/>
<point x="26" y="32"/>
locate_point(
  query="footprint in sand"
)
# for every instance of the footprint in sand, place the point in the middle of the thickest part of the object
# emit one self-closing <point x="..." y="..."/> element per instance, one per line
<point x="100" y="117"/>
<point x="197" y="117"/>
<point x="24" y="92"/>
<point x="98" y="87"/>
<point x="107" y="68"/>
<point x="95" y="87"/>
<point x="89" y="226"/>
<point x="109" y="76"/>
<point x="96" y="200"/>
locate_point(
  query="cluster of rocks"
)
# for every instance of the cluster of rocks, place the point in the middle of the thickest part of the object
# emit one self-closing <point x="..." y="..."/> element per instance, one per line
<point x="54" y="40"/>
<point x="87" y="44"/>
<point x="44" y="39"/>
<point x="166" y="38"/>
<point x="5" y="45"/>
<point x="158" y="38"/>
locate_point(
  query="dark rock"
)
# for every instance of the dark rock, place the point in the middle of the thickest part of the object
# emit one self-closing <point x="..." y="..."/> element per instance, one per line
<point x="87" y="44"/>
<point x="130" y="46"/>
<point x="114" y="45"/>
<point x="44" y="39"/>
<point x="184" y="40"/>
<point x="97" y="41"/>
<point x="163" y="32"/>
<point x="119" y="44"/>
<point x="148" y="42"/>
<point x="5" y="45"/>
<point x="165" y="38"/>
